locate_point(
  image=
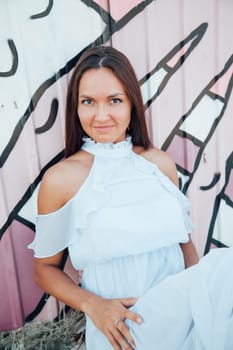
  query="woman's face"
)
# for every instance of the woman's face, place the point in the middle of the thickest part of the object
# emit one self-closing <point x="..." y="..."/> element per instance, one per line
<point x="104" y="109"/>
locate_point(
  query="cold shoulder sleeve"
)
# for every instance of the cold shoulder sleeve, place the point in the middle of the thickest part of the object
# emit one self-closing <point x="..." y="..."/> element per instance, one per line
<point x="64" y="227"/>
<point x="168" y="185"/>
<point x="183" y="200"/>
<point x="54" y="232"/>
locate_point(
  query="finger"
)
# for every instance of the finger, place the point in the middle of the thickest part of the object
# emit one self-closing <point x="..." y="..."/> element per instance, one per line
<point x="113" y="342"/>
<point x="126" y="332"/>
<point x="128" y="301"/>
<point x="121" y="340"/>
<point x="133" y="316"/>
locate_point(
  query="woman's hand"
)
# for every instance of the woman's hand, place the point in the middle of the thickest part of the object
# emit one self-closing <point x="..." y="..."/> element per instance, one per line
<point x="108" y="316"/>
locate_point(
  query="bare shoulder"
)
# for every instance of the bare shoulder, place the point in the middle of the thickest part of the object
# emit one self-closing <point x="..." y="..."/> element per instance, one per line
<point x="61" y="181"/>
<point x="164" y="162"/>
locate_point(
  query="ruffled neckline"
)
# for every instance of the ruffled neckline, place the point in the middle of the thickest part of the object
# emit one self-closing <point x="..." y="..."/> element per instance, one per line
<point x="94" y="194"/>
<point x="108" y="149"/>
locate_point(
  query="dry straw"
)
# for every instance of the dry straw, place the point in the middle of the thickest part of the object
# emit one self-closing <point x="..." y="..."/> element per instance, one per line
<point x="64" y="334"/>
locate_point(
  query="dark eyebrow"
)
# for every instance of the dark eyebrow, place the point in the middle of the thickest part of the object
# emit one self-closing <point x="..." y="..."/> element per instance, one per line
<point x="116" y="94"/>
<point x="110" y="96"/>
<point x="84" y="96"/>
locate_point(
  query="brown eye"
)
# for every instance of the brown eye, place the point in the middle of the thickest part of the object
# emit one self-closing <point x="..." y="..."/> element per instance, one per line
<point x="116" y="100"/>
<point x="86" y="102"/>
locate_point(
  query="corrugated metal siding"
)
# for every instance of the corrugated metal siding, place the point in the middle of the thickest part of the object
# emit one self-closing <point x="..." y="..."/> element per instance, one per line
<point x="184" y="62"/>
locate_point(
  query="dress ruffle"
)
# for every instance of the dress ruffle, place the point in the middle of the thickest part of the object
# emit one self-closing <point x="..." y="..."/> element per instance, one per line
<point x="66" y="226"/>
<point x="148" y="167"/>
<point x="60" y="229"/>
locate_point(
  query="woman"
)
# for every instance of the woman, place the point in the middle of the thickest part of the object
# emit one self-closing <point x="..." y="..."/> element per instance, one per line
<point x="115" y="204"/>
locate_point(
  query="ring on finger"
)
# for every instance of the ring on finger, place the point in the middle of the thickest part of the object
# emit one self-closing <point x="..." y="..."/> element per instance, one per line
<point x="117" y="321"/>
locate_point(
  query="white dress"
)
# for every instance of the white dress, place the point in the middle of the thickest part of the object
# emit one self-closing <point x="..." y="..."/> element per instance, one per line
<point x="123" y="228"/>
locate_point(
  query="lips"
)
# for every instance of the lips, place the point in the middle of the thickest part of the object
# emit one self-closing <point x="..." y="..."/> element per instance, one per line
<point x="103" y="127"/>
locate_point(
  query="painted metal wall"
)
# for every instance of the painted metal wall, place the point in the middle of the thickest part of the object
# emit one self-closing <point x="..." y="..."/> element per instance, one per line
<point x="182" y="53"/>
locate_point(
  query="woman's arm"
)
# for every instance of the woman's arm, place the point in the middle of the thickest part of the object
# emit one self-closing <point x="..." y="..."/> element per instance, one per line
<point x="103" y="312"/>
<point x="49" y="276"/>
<point x="190" y="254"/>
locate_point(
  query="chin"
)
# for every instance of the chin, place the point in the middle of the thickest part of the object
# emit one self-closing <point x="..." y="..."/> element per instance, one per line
<point x="104" y="139"/>
<point x="107" y="138"/>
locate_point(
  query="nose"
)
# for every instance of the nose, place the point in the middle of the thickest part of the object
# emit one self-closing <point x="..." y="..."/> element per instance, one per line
<point x="101" y="114"/>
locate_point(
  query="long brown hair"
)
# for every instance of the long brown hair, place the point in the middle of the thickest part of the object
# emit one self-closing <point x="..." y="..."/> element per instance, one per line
<point x="107" y="57"/>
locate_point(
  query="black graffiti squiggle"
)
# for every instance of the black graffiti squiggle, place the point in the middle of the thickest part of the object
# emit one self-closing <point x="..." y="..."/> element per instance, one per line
<point x="27" y="195"/>
<point x="105" y="15"/>
<point x="185" y="135"/>
<point x="111" y="27"/>
<point x="38" y="308"/>
<point x="25" y="222"/>
<point x="195" y="37"/>
<point x="45" y="12"/>
<point x="51" y="119"/>
<point x="221" y="196"/>
<point x="104" y="37"/>
<point x="216" y="178"/>
<point x="15" y="60"/>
